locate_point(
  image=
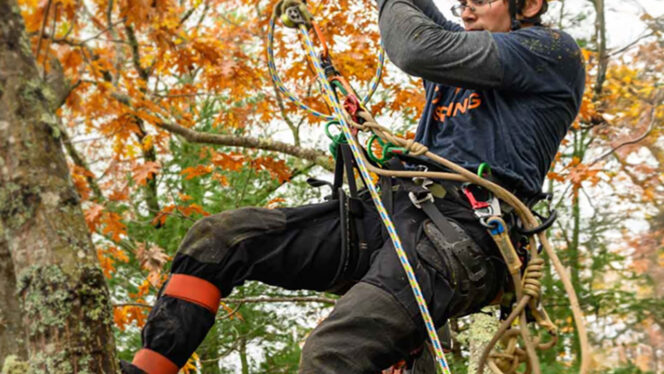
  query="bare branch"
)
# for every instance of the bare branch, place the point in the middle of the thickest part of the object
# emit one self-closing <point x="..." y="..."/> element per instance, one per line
<point x="600" y="35"/>
<point x="255" y="300"/>
<point x="80" y="162"/>
<point x="631" y="44"/>
<point x="313" y="155"/>
<point x="651" y="126"/>
<point x="283" y="299"/>
<point x="43" y="28"/>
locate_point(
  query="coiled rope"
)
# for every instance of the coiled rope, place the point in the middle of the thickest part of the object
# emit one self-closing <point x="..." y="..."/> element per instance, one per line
<point x="527" y="288"/>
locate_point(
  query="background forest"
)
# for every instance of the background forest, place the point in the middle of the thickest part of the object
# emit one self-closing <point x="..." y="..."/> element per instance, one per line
<point x="164" y="112"/>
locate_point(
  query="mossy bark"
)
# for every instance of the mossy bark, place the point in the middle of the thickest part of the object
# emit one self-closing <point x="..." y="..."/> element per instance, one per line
<point x="10" y="313"/>
<point x="65" y="304"/>
<point x="482" y="329"/>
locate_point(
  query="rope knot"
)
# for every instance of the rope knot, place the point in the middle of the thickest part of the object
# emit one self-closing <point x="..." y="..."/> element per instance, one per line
<point x="532" y="284"/>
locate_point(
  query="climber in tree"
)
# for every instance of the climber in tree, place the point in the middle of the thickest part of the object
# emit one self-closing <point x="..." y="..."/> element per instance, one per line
<point x="501" y="90"/>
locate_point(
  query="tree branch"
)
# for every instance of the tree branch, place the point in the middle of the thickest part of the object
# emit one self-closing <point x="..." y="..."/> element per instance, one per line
<point x="136" y="57"/>
<point x="43" y="28"/>
<point x="255" y="300"/>
<point x="80" y="162"/>
<point x="651" y="126"/>
<point x="600" y="35"/>
<point x="317" y="157"/>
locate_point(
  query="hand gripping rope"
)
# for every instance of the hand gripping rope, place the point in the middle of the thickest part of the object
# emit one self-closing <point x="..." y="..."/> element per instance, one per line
<point x="527" y="287"/>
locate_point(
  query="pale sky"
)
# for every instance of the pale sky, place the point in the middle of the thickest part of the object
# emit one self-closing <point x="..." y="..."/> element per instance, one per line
<point x="623" y="17"/>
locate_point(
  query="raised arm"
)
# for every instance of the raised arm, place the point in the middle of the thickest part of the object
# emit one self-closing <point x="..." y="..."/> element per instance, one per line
<point x="420" y="41"/>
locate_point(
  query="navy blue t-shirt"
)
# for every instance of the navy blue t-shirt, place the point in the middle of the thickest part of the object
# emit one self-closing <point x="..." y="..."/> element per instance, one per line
<point x="517" y="127"/>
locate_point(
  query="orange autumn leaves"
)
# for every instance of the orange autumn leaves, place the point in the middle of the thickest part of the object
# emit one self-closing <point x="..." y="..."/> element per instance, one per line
<point x="576" y="173"/>
<point x="110" y="222"/>
<point x="278" y="169"/>
<point x="613" y="120"/>
<point x="124" y="315"/>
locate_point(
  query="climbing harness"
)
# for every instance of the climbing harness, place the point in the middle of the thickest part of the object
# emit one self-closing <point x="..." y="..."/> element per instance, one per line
<point x="485" y="196"/>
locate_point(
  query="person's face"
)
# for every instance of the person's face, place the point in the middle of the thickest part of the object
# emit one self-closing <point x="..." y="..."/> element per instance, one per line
<point x="490" y="15"/>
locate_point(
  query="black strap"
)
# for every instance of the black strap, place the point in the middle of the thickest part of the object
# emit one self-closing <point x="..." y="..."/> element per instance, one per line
<point x="386" y="194"/>
<point x="347" y="160"/>
<point x="338" y="173"/>
<point x="426" y="202"/>
<point x="441" y="222"/>
<point x="344" y="165"/>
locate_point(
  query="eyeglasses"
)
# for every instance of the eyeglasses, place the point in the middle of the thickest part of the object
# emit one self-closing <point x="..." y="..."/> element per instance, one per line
<point x="458" y="9"/>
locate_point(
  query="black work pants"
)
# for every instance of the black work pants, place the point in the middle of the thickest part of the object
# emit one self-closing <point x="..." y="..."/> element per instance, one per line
<point x="377" y="322"/>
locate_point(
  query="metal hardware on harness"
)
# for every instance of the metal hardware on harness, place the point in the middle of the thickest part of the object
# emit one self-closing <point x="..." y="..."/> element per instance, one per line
<point x="418" y="201"/>
<point x="328" y="67"/>
<point x="292" y="17"/>
<point x="547" y="222"/>
<point x="483" y="209"/>
<point x="424" y="183"/>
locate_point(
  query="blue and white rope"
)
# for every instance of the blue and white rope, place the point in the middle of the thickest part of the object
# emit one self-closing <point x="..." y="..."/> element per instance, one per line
<point x="387" y="221"/>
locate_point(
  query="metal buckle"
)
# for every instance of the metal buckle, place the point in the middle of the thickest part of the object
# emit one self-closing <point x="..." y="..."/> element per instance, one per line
<point x="418" y="202"/>
<point x="422" y="181"/>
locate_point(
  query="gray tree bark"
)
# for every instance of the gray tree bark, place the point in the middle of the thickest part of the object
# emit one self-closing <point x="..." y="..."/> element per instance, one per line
<point x="65" y="305"/>
<point x="481" y="331"/>
<point x="10" y="313"/>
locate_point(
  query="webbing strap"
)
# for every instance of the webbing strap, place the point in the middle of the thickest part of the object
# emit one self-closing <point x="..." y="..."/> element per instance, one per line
<point x="441" y="222"/>
<point x="344" y="164"/>
<point x="152" y="362"/>
<point x="348" y="164"/>
<point x="194" y="290"/>
<point x="428" y="206"/>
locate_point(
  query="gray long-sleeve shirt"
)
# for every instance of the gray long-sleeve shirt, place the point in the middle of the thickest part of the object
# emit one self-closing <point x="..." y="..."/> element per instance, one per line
<point x="502" y="98"/>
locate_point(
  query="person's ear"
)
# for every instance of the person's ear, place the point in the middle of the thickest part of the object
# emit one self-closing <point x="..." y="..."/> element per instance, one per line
<point x="532" y="8"/>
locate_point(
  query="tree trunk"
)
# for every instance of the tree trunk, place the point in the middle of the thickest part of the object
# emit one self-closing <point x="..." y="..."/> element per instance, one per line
<point x="65" y="303"/>
<point x="481" y="331"/>
<point x="10" y="313"/>
<point x="602" y="53"/>
<point x="243" y="355"/>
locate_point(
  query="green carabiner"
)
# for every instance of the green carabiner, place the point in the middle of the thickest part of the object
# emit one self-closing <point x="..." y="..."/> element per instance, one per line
<point x="327" y="129"/>
<point x="336" y="139"/>
<point x="373" y="157"/>
<point x="484" y="167"/>
<point x="388" y="149"/>
<point x="340" y="86"/>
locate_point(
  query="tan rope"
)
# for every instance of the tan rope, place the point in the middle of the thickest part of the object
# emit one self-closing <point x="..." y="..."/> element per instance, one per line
<point x="527" y="289"/>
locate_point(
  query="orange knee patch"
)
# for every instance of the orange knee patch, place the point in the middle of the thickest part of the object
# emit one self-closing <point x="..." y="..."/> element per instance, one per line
<point x="194" y="290"/>
<point x="152" y="362"/>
